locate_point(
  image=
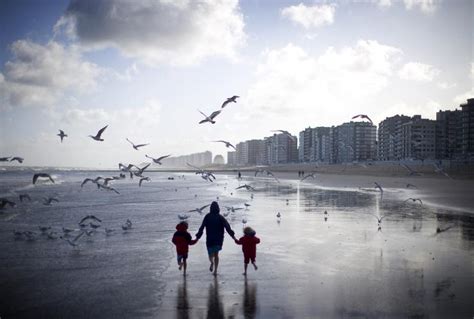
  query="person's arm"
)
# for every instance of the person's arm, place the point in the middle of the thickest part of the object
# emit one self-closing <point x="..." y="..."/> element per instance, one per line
<point x="257" y="240"/>
<point x="238" y="242"/>
<point x="227" y="228"/>
<point x="201" y="229"/>
<point x="174" y="239"/>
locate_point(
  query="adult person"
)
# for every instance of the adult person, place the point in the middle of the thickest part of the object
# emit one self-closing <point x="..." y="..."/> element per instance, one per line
<point x="215" y="224"/>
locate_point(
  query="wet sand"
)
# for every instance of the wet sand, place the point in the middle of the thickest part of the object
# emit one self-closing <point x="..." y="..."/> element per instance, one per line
<point x="311" y="264"/>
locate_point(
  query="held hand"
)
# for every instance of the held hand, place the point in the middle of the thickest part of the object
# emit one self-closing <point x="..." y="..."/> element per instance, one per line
<point x="236" y="241"/>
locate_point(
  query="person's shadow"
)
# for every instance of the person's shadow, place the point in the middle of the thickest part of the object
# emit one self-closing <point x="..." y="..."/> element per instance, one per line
<point x="215" y="310"/>
<point x="182" y="303"/>
<point x="250" y="300"/>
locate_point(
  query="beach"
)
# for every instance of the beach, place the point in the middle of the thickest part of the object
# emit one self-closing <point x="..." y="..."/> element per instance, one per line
<point x="311" y="264"/>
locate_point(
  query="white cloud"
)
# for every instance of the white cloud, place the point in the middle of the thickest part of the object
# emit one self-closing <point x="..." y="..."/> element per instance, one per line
<point x="426" y="6"/>
<point x="292" y="85"/>
<point x="39" y="74"/>
<point x="310" y="16"/>
<point x="421" y="72"/>
<point x="177" y="32"/>
<point x="383" y="3"/>
<point x="462" y="97"/>
<point x="446" y="85"/>
<point x="472" y="70"/>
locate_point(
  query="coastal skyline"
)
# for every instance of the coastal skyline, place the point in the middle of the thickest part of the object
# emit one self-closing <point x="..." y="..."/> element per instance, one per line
<point x="79" y="65"/>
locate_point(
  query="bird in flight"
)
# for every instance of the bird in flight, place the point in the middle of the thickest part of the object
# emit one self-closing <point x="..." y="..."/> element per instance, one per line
<point x="140" y="171"/>
<point x="210" y="118"/>
<point x="108" y="188"/>
<point x="229" y="100"/>
<point x="411" y="185"/>
<point x="97" y="137"/>
<point x="62" y="135"/>
<point x="363" y="116"/>
<point x="377" y="185"/>
<point x="136" y="146"/>
<point x="42" y="175"/>
<point x="159" y="159"/>
<point x="247" y="187"/>
<point x="18" y="159"/>
<point x="414" y="200"/>
<point x="379" y="219"/>
<point x="199" y="209"/>
<point x="227" y="144"/>
<point x="307" y="176"/>
<point x="143" y="179"/>
<point x="90" y="217"/>
<point x="293" y="138"/>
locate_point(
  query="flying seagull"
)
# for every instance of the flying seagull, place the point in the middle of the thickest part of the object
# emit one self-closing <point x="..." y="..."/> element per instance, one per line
<point x="307" y="176"/>
<point x="143" y="179"/>
<point x="377" y="185"/>
<point x="91" y="217"/>
<point x="137" y="145"/>
<point x="108" y="188"/>
<point x="199" y="210"/>
<point x="227" y="144"/>
<point x="379" y="219"/>
<point x="98" y="135"/>
<point x="414" y="200"/>
<point x="95" y="181"/>
<point x="229" y="100"/>
<point x="411" y="185"/>
<point x="410" y="170"/>
<point x="62" y="135"/>
<point x="5" y="159"/>
<point x="18" y="159"/>
<point x="141" y="170"/>
<point x="233" y="209"/>
<point x="363" y="116"/>
<point x="159" y="159"/>
<point x="210" y="118"/>
<point x="293" y="138"/>
<point x="42" y="175"/>
<point x="73" y="242"/>
<point x="247" y="187"/>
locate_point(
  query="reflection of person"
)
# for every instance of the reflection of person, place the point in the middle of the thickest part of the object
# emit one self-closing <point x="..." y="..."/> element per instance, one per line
<point x="215" y="225"/>
<point x="249" y="247"/>
<point x="250" y="300"/>
<point x="182" y="239"/>
<point x="215" y="309"/>
<point x="182" y="304"/>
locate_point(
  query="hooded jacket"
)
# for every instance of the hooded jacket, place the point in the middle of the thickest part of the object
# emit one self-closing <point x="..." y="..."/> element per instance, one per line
<point x="215" y="225"/>
<point x="182" y="239"/>
<point x="249" y="245"/>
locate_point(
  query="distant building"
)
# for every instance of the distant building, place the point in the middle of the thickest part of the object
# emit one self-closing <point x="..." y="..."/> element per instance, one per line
<point x="419" y="139"/>
<point x="390" y="143"/>
<point x="322" y="147"/>
<point x="250" y="152"/>
<point x="219" y="160"/>
<point x="354" y="141"/>
<point x="281" y="149"/>
<point x="231" y="158"/>
<point x="306" y="145"/>
<point x="197" y="159"/>
<point x="449" y="134"/>
<point x="467" y="123"/>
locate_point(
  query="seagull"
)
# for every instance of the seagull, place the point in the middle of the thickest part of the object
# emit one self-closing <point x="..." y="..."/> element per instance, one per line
<point x="159" y="159"/>
<point x="44" y="229"/>
<point x="24" y="196"/>
<point x="18" y="159"/>
<point x="108" y="188"/>
<point x="42" y="175"/>
<point x="210" y="118"/>
<point x="247" y="187"/>
<point x="92" y="217"/>
<point x="233" y="209"/>
<point x="73" y="242"/>
<point x="247" y="205"/>
<point x="377" y="185"/>
<point x="98" y="135"/>
<point x="137" y="145"/>
<point x="108" y="231"/>
<point x="363" y="116"/>
<point x="410" y="170"/>
<point x="439" y="169"/>
<point x="183" y="216"/>
<point x="309" y="175"/>
<point x="227" y="144"/>
<point x="4" y="202"/>
<point x="95" y="181"/>
<point x="259" y="171"/>
<point x="272" y="175"/>
<point x="4" y="159"/>
<point x="441" y="230"/>
<point x="278" y="215"/>
<point x="230" y="99"/>
<point x="141" y="170"/>
<point x="107" y="180"/>
<point x="414" y="200"/>
<point x="379" y="219"/>
<point x="62" y="135"/>
<point x="48" y="200"/>
<point x="293" y="138"/>
<point x="411" y="185"/>
<point x="143" y="179"/>
<point x="199" y="210"/>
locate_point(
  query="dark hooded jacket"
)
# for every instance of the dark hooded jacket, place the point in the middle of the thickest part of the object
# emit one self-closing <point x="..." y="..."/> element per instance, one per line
<point x="215" y="225"/>
<point x="182" y="239"/>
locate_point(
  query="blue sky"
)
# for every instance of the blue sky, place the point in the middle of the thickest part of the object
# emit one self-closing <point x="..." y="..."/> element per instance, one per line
<point x="145" y="68"/>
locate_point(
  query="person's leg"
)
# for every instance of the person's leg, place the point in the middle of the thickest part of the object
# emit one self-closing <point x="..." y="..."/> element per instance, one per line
<point x="180" y="262"/>
<point x="211" y="260"/>
<point x="254" y="264"/>
<point x="216" y="262"/>
<point x="184" y="267"/>
<point x="246" y="263"/>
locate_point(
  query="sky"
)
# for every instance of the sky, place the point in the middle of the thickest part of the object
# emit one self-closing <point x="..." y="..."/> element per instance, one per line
<point x="145" y="68"/>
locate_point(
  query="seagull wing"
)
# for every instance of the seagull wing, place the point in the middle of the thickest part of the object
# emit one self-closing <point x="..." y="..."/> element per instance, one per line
<point x="225" y="103"/>
<point x="141" y="145"/>
<point x="214" y="114"/>
<point x="163" y="157"/>
<point x="130" y="141"/>
<point x="203" y="114"/>
<point x="101" y="131"/>
<point x="204" y="207"/>
<point x="35" y="178"/>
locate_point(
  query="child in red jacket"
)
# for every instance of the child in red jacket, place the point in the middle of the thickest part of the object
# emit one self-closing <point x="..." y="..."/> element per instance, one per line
<point x="182" y="239"/>
<point x="249" y="247"/>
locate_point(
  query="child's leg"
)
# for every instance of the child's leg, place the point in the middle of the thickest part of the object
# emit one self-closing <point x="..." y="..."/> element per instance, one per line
<point x="184" y="267"/>
<point x="246" y="263"/>
<point x="180" y="262"/>
<point x="254" y="264"/>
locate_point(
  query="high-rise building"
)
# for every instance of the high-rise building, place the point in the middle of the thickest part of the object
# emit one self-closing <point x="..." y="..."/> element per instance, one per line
<point x="390" y="143"/>
<point x="306" y="145"/>
<point x="197" y="159"/>
<point x="419" y="139"/>
<point x="281" y="149"/>
<point x="250" y="152"/>
<point x="231" y="158"/>
<point x="467" y="124"/>
<point x="448" y="134"/>
<point x="322" y="145"/>
<point x="354" y="141"/>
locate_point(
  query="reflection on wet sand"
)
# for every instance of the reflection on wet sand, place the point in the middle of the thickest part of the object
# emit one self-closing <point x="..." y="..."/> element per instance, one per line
<point x="250" y="301"/>
<point x="215" y="309"/>
<point x="182" y="303"/>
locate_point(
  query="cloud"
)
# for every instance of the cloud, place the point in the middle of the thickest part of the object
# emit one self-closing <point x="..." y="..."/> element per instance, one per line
<point x="446" y="85"/>
<point x="292" y="84"/>
<point x="39" y="74"/>
<point x="383" y="3"/>
<point x="420" y="72"/>
<point x="176" y="32"/>
<point x="472" y="70"/>
<point x="310" y="16"/>
<point x="426" y="6"/>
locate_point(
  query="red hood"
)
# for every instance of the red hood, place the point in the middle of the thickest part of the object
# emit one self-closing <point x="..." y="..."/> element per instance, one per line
<point x="181" y="227"/>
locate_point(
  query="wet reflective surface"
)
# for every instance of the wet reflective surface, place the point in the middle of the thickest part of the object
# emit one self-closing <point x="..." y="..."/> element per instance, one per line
<point x="342" y="263"/>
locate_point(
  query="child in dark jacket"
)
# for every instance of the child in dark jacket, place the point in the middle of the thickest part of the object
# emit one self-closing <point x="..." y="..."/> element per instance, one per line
<point x="182" y="239"/>
<point x="249" y="247"/>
